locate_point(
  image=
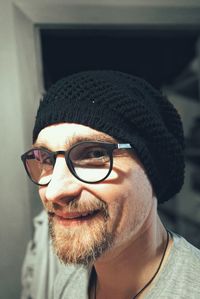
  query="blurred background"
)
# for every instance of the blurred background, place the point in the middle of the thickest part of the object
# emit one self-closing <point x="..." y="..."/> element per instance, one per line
<point x="42" y="41"/>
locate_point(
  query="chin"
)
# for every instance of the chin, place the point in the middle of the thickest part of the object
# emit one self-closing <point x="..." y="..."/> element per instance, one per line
<point x="81" y="244"/>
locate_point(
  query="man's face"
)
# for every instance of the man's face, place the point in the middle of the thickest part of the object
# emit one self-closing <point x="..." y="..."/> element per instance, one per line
<point x="86" y="221"/>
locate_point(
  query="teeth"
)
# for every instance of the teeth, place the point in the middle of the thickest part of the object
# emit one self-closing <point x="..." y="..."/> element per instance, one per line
<point x="72" y="217"/>
<point x="80" y="215"/>
<point x="85" y="214"/>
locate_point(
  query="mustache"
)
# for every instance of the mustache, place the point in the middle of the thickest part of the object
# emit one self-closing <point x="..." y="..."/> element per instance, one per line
<point x="78" y="205"/>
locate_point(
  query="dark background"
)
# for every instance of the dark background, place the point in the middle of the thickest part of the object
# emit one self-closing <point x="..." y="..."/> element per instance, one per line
<point x="159" y="56"/>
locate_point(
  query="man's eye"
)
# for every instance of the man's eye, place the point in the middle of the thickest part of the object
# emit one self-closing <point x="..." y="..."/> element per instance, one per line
<point x="91" y="157"/>
<point x="94" y="154"/>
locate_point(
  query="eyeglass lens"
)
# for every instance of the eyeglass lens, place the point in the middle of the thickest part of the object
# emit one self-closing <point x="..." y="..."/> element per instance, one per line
<point x="39" y="166"/>
<point x="90" y="162"/>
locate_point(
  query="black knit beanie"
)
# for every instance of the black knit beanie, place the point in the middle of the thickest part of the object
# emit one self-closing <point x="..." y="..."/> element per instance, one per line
<point x="130" y="110"/>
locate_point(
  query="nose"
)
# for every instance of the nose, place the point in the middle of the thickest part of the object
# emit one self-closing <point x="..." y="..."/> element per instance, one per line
<point x="63" y="187"/>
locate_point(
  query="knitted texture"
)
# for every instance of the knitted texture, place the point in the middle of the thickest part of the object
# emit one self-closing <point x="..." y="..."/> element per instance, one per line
<point x="130" y="110"/>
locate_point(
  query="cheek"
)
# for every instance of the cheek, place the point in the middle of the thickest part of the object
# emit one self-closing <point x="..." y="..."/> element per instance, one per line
<point x="139" y="204"/>
<point x="129" y="201"/>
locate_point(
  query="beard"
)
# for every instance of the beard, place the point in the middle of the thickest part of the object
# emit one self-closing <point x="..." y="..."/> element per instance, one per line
<point x="85" y="242"/>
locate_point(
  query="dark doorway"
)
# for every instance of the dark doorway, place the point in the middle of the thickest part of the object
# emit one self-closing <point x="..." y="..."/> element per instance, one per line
<point x="158" y="56"/>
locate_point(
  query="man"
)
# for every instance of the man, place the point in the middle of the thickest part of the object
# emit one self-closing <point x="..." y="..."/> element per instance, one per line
<point x="107" y="147"/>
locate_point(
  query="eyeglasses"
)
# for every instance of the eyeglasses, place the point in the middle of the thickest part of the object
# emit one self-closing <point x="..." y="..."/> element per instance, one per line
<point x="89" y="161"/>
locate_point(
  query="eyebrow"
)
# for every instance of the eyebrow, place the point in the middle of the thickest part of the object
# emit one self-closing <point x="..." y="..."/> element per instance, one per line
<point x="77" y="138"/>
<point x="92" y="137"/>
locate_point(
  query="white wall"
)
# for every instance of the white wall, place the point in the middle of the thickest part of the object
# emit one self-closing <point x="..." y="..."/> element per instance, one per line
<point x="15" y="111"/>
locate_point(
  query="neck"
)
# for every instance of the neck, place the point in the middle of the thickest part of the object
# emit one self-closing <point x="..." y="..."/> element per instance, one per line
<point x="123" y="272"/>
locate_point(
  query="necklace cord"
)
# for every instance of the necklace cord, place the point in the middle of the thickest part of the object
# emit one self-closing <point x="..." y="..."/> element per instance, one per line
<point x="158" y="269"/>
<point x="152" y="278"/>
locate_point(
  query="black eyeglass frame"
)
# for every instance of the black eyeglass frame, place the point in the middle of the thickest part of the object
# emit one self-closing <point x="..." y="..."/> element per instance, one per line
<point x="110" y="147"/>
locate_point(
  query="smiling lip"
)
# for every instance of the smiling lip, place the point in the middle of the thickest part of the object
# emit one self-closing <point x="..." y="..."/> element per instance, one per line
<point x="71" y="218"/>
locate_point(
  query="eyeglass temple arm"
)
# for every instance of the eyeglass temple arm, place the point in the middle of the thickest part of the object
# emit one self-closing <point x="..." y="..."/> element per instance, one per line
<point x="123" y="145"/>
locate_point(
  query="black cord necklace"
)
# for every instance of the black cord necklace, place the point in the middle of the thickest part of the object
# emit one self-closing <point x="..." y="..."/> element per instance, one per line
<point x="150" y="281"/>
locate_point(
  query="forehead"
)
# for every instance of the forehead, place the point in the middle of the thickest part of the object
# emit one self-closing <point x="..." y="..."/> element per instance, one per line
<point x="67" y="134"/>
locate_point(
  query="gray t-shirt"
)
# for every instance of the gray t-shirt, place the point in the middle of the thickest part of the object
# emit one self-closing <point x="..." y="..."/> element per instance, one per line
<point x="43" y="277"/>
<point x="179" y="278"/>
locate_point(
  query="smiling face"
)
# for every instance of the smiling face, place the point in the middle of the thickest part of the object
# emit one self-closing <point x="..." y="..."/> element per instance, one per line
<point x="88" y="220"/>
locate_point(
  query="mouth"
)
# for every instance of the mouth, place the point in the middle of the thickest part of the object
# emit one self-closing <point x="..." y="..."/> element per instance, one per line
<point x="74" y="218"/>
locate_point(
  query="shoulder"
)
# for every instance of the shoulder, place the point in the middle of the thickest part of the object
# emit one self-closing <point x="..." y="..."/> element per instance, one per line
<point x="180" y="275"/>
<point x="185" y="251"/>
